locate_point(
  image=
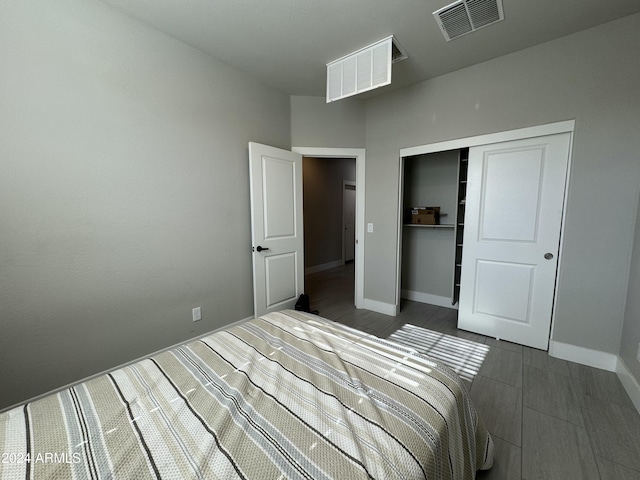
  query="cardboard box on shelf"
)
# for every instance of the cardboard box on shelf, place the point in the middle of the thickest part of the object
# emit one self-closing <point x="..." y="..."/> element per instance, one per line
<point x="425" y="215"/>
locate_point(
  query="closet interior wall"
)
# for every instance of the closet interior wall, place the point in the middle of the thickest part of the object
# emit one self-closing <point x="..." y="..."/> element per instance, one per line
<point x="428" y="252"/>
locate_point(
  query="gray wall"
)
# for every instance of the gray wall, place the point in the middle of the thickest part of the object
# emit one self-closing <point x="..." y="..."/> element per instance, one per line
<point x="314" y="123"/>
<point x="631" y="327"/>
<point x="124" y="190"/>
<point x="593" y="77"/>
<point x="322" y="179"/>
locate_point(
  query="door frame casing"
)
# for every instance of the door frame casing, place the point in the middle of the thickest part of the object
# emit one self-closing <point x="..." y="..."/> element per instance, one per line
<point x="359" y="155"/>
<point x="567" y="126"/>
<point x="345" y="184"/>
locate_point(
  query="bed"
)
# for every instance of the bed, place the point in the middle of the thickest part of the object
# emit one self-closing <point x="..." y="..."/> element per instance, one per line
<point x="285" y="396"/>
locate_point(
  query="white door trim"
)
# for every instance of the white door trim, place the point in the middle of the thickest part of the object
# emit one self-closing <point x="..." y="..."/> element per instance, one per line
<point x="517" y="134"/>
<point x="359" y="155"/>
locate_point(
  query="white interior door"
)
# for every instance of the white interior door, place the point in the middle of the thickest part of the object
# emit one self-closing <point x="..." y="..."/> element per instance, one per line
<point x="276" y="226"/>
<point x="514" y="205"/>
<point x="349" y="220"/>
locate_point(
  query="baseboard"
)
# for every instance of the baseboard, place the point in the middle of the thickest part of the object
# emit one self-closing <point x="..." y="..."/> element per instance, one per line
<point x="59" y="389"/>
<point x="323" y="267"/>
<point x="428" y="298"/>
<point x="381" y="307"/>
<point x="629" y="383"/>
<point x="584" y="356"/>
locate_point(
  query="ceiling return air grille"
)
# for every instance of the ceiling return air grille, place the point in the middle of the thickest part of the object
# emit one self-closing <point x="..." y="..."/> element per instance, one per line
<point x="363" y="70"/>
<point x="466" y="16"/>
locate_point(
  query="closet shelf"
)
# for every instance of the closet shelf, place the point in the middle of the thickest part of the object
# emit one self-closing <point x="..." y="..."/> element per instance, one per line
<point x="420" y="225"/>
<point x="463" y="166"/>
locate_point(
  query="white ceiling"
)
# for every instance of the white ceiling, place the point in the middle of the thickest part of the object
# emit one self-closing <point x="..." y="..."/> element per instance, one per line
<point x="287" y="43"/>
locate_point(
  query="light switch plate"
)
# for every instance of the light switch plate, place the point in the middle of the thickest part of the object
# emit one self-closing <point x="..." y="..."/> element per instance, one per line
<point x="196" y="314"/>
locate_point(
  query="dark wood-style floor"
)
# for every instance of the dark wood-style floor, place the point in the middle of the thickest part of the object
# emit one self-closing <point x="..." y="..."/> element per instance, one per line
<point x="550" y="419"/>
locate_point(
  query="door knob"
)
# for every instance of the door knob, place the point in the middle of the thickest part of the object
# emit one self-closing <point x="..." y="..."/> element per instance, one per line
<point x="260" y="249"/>
<point x="547" y="255"/>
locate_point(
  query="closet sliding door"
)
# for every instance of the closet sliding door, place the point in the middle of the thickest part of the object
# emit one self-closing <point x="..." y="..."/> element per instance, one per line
<point x="513" y="219"/>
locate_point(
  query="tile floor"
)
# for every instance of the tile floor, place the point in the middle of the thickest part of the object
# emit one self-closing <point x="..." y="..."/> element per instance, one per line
<point x="550" y="419"/>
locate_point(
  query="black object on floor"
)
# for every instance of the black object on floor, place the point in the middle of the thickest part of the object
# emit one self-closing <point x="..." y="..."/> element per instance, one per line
<point x="303" y="304"/>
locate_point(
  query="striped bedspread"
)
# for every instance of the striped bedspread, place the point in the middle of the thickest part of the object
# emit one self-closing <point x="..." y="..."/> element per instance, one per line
<point x="284" y="396"/>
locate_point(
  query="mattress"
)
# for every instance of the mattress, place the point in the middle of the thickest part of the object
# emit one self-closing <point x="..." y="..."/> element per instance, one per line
<point x="285" y="396"/>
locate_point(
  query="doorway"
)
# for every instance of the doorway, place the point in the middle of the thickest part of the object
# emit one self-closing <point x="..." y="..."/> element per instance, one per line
<point x="323" y="181"/>
<point x="357" y="156"/>
<point x="328" y="222"/>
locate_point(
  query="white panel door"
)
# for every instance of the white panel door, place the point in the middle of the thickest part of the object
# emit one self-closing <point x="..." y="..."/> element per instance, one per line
<point x="514" y="204"/>
<point x="276" y="226"/>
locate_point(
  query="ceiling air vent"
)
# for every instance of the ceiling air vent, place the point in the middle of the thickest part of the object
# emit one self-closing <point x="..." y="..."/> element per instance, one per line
<point x="363" y="70"/>
<point x="466" y="16"/>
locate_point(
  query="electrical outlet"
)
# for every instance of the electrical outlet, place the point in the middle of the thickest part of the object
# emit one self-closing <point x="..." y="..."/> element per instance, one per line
<point x="196" y="314"/>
